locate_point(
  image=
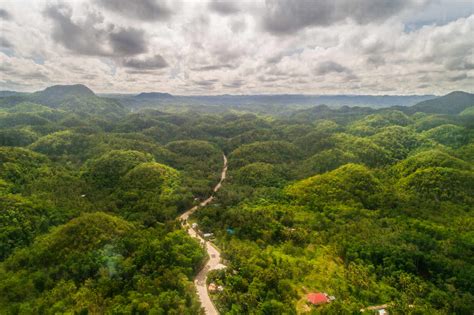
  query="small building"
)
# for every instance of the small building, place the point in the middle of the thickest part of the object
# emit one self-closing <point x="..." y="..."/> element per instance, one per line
<point x="318" y="298"/>
<point x="194" y="225"/>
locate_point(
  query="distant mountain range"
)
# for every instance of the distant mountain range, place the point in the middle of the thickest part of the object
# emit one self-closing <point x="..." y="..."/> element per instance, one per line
<point x="155" y="98"/>
<point x="70" y="96"/>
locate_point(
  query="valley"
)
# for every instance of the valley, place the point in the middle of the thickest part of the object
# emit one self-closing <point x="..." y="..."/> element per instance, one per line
<point x="105" y="210"/>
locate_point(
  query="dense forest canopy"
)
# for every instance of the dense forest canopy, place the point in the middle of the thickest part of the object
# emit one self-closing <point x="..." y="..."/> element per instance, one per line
<point x="372" y="206"/>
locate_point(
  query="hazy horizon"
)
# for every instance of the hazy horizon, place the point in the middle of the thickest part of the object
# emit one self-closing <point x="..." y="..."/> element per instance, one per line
<point x="402" y="47"/>
<point x="243" y="94"/>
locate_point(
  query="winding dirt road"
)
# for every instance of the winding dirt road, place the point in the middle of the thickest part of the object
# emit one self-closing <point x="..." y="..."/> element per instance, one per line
<point x="214" y="261"/>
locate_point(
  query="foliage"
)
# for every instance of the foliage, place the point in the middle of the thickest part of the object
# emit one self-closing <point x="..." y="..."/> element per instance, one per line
<point x="450" y="135"/>
<point x="325" y="161"/>
<point x="371" y="206"/>
<point x="273" y="152"/>
<point x="372" y="123"/>
<point x="150" y="188"/>
<point x="85" y="265"/>
<point x="21" y="166"/>
<point x="22" y="119"/>
<point x="69" y="144"/>
<point x="20" y="222"/>
<point x="260" y="174"/>
<point x="18" y="137"/>
<point x="440" y="184"/>
<point x="107" y="170"/>
<point x="430" y="158"/>
<point x="467" y="112"/>
<point x="351" y="184"/>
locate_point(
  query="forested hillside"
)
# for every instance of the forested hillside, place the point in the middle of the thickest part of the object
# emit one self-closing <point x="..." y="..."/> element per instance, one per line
<point x="370" y="206"/>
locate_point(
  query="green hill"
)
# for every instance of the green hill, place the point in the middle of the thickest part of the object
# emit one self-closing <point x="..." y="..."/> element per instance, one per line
<point x="56" y="94"/>
<point x="78" y="99"/>
<point x="98" y="264"/>
<point x="452" y="103"/>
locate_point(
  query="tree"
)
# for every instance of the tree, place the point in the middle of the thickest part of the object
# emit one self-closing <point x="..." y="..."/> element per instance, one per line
<point x="107" y="170"/>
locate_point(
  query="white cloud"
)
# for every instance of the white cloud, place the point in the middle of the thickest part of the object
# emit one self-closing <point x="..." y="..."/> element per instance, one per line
<point x="194" y="47"/>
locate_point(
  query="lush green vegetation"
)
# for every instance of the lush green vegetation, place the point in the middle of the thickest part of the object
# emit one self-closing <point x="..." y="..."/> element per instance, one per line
<point x="371" y="206"/>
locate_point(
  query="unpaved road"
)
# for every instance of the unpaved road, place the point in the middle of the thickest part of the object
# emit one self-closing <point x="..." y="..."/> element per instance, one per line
<point x="214" y="255"/>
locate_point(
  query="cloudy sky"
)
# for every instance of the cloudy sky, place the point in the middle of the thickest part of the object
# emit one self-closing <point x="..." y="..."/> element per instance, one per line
<point x="239" y="47"/>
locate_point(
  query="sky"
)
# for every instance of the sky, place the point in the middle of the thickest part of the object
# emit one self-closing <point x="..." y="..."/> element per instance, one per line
<point x="393" y="47"/>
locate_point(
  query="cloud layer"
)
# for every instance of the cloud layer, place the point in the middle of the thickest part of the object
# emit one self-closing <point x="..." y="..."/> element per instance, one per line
<point x="240" y="47"/>
<point x="289" y="16"/>
<point x="91" y="36"/>
<point x="141" y="10"/>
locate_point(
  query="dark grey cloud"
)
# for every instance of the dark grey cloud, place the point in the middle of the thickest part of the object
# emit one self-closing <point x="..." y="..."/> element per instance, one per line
<point x="128" y="41"/>
<point x="5" y="43"/>
<point x="460" y="63"/>
<point x="205" y="83"/>
<point x="275" y="59"/>
<point x="286" y="53"/>
<point x="154" y="63"/>
<point x="224" y="7"/>
<point x="140" y="72"/>
<point x="226" y="54"/>
<point x="33" y="76"/>
<point x="91" y="36"/>
<point x="289" y="16"/>
<point x="83" y="39"/>
<point x="327" y="67"/>
<point x="376" y="60"/>
<point x="235" y="84"/>
<point x="458" y="77"/>
<point x="214" y="67"/>
<point x="5" y="15"/>
<point x="142" y="10"/>
<point x="89" y="76"/>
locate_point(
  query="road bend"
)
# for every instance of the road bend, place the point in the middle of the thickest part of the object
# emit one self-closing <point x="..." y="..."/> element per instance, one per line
<point x="214" y="261"/>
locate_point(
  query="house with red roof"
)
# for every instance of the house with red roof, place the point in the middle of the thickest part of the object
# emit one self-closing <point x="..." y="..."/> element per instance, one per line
<point x="319" y="298"/>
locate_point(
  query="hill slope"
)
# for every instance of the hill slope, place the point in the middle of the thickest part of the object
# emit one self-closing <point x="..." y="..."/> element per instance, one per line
<point x="452" y="103"/>
<point x="76" y="98"/>
<point x="56" y="94"/>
